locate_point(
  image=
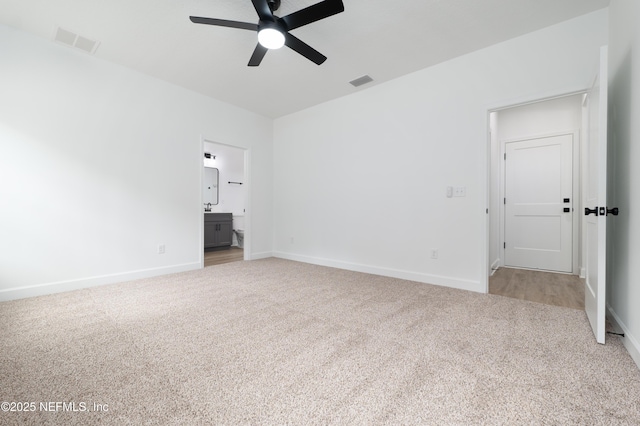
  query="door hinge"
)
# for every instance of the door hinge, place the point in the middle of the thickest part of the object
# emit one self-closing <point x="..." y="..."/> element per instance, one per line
<point x="487" y="211"/>
<point x="504" y="245"/>
<point x="505" y="200"/>
<point x="505" y="155"/>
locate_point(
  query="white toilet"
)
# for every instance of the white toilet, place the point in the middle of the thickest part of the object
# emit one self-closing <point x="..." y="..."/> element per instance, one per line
<point x="238" y="225"/>
<point x="240" y="237"/>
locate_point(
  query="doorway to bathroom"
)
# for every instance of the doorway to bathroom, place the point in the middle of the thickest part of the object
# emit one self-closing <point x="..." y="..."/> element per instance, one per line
<point x="224" y="229"/>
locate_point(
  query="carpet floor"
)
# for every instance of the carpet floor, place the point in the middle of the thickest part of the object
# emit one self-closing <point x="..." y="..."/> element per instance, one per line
<point x="279" y="342"/>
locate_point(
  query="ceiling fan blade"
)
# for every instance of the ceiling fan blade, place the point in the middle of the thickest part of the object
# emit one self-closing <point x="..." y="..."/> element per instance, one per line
<point x="313" y="13"/>
<point x="304" y="49"/>
<point x="263" y="9"/>
<point x="257" y="56"/>
<point x="224" y="23"/>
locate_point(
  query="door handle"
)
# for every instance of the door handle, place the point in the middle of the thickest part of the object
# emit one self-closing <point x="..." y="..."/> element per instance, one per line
<point x="614" y="211"/>
<point x="566" y="209"/>
<point x="588" y="211"/>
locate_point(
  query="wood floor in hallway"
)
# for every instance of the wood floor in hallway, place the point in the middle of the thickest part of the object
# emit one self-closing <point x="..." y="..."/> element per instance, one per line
<point x="218" y="257"/>
<point x="538" y="286"/>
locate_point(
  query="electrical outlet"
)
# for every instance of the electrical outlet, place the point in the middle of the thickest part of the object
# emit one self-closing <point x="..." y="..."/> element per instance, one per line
<point x="434" y="253"/>
<point x="161" y="249"/>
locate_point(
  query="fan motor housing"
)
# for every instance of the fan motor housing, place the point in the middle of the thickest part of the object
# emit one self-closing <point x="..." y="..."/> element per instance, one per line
<point x="277" y="25"/>
<point x="273" y="4"/>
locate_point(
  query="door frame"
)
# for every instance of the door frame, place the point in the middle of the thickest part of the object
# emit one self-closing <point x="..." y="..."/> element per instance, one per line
<point x="486" y="173"/>
<point x="575" y="193"/>
<point x="247" y="198"/>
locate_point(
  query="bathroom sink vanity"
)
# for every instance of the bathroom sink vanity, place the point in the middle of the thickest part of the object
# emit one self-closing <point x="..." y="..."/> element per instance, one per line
<point x="218" y="230"/>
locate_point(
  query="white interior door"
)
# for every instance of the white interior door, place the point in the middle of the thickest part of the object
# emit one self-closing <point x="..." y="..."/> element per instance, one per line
<point x="596" y="202"/>
<point x="539" y="203"/>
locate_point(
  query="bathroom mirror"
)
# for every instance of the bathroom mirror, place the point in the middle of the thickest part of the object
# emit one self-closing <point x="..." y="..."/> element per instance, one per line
<point x="210" y="187"/>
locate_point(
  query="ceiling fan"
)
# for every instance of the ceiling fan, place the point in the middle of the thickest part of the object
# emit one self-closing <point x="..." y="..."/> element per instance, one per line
<point x="273" y="31"/>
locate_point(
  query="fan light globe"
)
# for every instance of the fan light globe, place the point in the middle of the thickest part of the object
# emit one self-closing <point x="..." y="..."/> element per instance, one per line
<point x="271" y="38"/>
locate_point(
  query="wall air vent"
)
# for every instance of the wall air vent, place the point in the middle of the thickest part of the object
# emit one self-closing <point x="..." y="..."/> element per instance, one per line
<point x="72" y="39"/>
<point x="361" y="80"/>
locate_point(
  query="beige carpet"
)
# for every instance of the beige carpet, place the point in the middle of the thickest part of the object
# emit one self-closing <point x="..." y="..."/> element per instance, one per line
<point x="280" y="342"/>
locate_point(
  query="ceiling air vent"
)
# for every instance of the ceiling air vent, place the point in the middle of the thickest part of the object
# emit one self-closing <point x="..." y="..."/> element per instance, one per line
<point x="72" y="39"/>
<point x="361" y="80"/>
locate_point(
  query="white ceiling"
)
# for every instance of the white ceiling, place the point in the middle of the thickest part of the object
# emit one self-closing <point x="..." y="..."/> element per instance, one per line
<point x="384" y="39"/>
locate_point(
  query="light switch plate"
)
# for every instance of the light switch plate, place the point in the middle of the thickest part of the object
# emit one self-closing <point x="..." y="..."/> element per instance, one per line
<point x="460" y="191"/>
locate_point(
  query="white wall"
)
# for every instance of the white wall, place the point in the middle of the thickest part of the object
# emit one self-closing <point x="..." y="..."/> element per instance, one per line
<point x="623" y="297"/>
<point x="360" y="181"/>
<point x="100" y="164"/>
<point x="552" y="116"/>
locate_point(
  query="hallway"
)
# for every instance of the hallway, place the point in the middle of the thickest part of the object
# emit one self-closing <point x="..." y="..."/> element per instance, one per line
<point x="539" y="286"/>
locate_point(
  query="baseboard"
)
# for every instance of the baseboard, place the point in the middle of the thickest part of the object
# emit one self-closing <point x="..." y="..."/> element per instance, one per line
<point x="62" y="286"/>
<point x="495" y="265"/>
<point x="629" y="341"/>
<point x="261" y="255"/>
<point x="583" y="273"/>
<point x="387" y="272"/>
